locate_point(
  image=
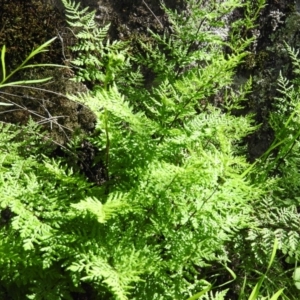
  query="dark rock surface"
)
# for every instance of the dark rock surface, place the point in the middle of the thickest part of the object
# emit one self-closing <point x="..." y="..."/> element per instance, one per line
<point x="277" y="24"/>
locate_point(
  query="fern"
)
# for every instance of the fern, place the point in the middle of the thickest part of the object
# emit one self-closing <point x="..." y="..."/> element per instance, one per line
<point x="97" y="56"/>
<point x="277" y="214"/>
<point x="36" y="202"/>
<point x="180" y="196"/>
<point x="215" y="296"/>
<point x="172" y="155"/>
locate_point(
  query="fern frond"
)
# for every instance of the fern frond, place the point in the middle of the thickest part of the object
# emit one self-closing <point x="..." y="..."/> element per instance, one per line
<point x="103" y="212"/>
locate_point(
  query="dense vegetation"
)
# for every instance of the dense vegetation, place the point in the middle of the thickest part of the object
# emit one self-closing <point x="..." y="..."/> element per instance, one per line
<point x="174" y="209"/>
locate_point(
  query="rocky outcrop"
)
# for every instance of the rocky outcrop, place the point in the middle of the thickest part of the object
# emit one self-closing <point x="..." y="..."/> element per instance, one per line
<point x="277" y="25"/>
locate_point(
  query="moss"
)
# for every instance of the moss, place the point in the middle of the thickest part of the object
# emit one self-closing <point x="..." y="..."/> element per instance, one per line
<point x="256" y="60"/>
<point x="25" y="25"/>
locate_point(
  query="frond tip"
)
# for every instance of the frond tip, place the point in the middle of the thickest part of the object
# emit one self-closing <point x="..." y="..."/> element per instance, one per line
<point x="103" y="212"/>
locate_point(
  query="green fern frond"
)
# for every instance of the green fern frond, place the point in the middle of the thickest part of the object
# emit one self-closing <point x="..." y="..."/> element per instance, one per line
<point x="103" y="212"/>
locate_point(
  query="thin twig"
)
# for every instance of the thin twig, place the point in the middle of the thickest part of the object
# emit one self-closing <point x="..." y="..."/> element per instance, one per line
<point x="43" y="120"/>
<point x="51" y="92"/>
<point x="62" y="44"/>
<point x="22" y="97"/>
<point x="162" y="26"/>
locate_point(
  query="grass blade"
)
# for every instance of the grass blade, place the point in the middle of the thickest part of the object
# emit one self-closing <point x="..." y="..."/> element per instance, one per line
<point x="255" y="291"/>
<point x="275" y="296"/>
<point x="26" y="82"/>
<point x="3" y="62"/>
<point x="196" y="296"/>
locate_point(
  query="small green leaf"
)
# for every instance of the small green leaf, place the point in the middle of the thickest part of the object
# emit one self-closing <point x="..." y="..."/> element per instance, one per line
<point x="275" y="296"/>
<point x="196" y="296"/>
<point x="296" y="278"/>
<point x="24" y="82"/>
<point x="3" y="62"/>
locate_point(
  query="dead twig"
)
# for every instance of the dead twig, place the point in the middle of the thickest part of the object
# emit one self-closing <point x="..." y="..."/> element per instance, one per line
<point x="162" y="26"/>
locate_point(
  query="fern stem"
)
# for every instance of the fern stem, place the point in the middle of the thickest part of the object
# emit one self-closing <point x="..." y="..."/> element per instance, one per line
<point x="107" y="144"/>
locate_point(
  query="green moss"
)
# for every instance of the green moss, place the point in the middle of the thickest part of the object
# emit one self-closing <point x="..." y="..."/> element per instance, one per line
<point x="258" y="60"/>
